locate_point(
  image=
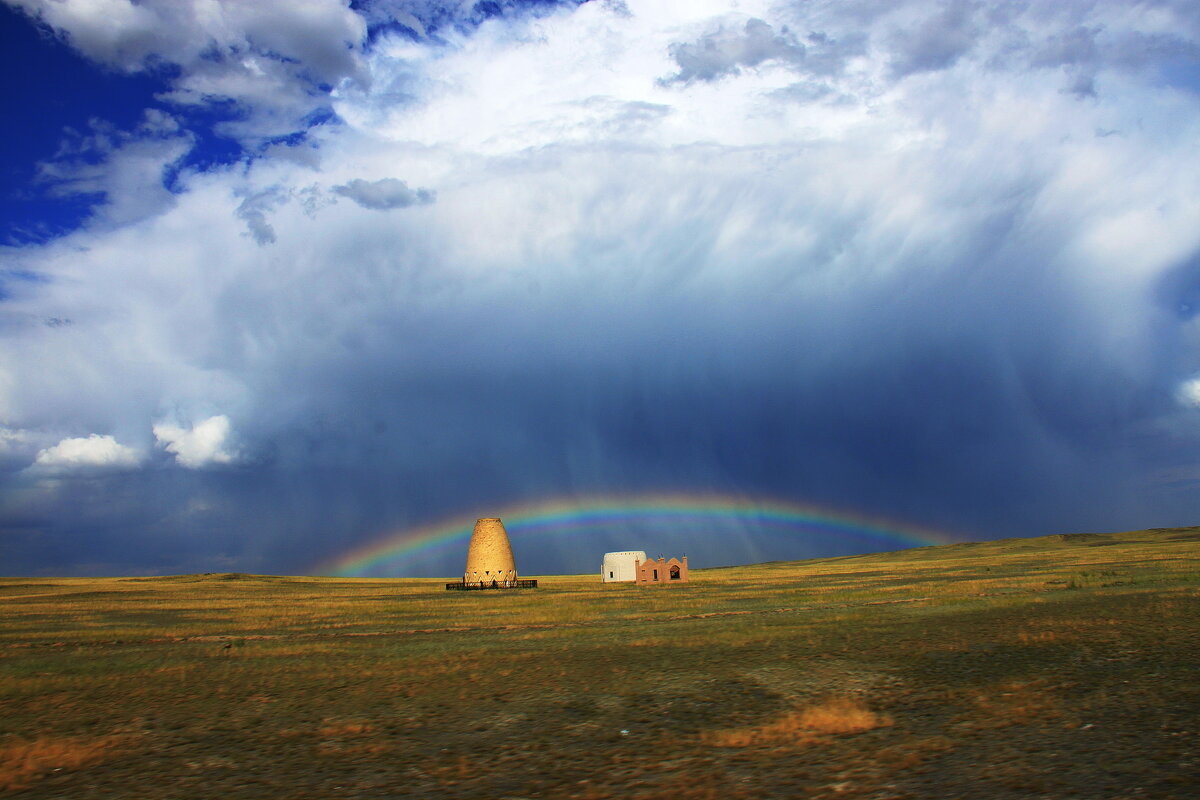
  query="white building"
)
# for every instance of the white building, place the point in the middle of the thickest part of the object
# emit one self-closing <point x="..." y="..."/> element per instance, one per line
<point x="620" y="566"/>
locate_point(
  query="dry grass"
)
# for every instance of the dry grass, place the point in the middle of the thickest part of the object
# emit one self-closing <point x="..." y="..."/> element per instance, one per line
<point x="1012" y="703"/>
<point x="1043" y="637"/>
<point x="332" y="730"/>
<point x="24" y="762"/>
<point x="842" y="715"/>
<point x="1068" y="662"/>
<point x="833" y="716"/>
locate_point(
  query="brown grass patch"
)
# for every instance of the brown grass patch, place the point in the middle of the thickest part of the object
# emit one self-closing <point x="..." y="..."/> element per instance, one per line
<point x="842" y="715"/>
<point x="836" y="715"/>
<point x="332" y="730"/>
<point x="23" y="762"/>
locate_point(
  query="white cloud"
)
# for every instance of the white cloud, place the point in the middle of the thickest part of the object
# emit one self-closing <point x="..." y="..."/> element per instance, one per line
<point x="270" y="58"/>
<point x="321" y="36"/>
<point x="206" y="443"/>
<point x="1189" y="393"/>
<point x="125" y="167"/>
<point x="94" y="452"/>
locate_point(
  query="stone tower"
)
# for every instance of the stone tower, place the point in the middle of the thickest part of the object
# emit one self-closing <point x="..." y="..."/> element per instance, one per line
<point x="490" y="558"/>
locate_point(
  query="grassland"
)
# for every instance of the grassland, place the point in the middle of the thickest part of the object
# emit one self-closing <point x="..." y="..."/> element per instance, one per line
<point x="1052" y="667"/>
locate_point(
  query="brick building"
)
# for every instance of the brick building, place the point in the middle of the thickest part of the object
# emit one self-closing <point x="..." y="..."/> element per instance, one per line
<point x="661" y="571"/>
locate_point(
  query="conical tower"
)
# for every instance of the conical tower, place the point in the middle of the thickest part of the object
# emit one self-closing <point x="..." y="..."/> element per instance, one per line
<point x="490" y="558"/>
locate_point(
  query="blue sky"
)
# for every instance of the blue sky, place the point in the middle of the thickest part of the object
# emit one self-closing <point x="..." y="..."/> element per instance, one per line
<point x="279" y="279"/>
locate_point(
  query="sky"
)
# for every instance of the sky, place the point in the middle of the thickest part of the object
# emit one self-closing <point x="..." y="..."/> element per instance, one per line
<point x="282" y="280"/>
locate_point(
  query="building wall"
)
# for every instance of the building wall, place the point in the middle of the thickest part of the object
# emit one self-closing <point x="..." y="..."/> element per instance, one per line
<point x="490" y="557"/>
<point x="660" y="571"/>
<point x="621" y="566"/>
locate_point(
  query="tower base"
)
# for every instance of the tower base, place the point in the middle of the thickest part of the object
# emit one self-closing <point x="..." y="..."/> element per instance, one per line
<point x="463" y="586"/>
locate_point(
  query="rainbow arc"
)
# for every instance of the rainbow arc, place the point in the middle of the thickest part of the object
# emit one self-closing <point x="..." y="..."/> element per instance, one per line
<point x="393" y="553"/>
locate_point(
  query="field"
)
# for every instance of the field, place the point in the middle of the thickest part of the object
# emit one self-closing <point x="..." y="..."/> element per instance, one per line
<point x="1065" y="666"/>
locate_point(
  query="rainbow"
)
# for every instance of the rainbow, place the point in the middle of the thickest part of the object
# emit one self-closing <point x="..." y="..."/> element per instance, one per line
<point x="395" y="551"/>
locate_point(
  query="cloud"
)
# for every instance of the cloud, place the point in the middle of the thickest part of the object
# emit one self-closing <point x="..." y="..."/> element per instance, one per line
<point x="89" y="454"/>
<point x="838" y="259"/>
<point x="723" y="52"/>
<point x="205" y="444"/>
<point x="17" y="448"/>
<point x="1074" y="46"/>
<point x="254" y="209"/>
<point x="1081" y="86"/>
<point x="271" y="61"/>
<point x="320" y="37"/>
<point x="384" y="194"/>
<point x="396" y="13"/>
<point x="937" y="41"/>
<point x="123" y="169"/>
<point x="1084" y="51"/>
<point x="1189" y="392"/>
